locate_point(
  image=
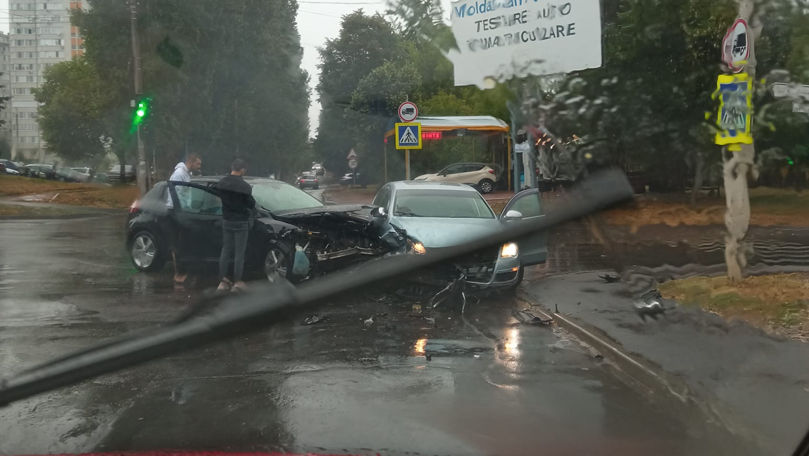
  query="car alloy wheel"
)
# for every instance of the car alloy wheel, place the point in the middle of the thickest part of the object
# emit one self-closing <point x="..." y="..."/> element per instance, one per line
<point x="275" y="265"/>
<point x="486" y="186"/>
<point x="143" y="250"/>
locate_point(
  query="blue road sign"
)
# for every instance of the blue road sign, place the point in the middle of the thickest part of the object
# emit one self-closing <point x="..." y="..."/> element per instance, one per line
<point x="408" y="135"/>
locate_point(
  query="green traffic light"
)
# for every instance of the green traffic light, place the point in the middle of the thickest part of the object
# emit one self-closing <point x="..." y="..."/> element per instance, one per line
<point x="140" y="112"/>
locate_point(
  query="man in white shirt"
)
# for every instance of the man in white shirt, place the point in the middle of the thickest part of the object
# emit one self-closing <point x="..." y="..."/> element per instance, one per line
<point x="182" y="173"/>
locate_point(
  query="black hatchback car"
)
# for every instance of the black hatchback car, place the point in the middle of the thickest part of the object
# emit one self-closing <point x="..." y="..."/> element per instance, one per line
<point x="289" y="222"/>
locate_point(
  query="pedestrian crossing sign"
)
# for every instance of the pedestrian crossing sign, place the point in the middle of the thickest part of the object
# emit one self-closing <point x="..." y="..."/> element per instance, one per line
<point x="408" y="135"/>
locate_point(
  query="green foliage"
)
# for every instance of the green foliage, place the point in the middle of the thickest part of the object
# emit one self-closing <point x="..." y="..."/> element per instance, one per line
<point x="374" y="65"/>
<point x="645" y="107"/>
<point x="348" y="119"/>
<point x="74" y="102"/>
<point x="224" y="79"/>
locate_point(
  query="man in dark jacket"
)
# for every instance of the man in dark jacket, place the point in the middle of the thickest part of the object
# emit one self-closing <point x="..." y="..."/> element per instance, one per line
<point x="237" y="210"/>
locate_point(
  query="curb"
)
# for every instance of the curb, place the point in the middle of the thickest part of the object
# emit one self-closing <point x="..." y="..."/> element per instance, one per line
<point x="640" y="370"/>
<point x="634" y="367"/>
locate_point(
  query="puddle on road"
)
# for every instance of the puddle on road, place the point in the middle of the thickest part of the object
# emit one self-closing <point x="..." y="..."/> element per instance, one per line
<point x="26" y="312"/>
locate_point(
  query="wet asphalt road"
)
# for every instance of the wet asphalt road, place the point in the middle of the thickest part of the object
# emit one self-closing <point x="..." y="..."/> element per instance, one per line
<point x="490" y="386"/>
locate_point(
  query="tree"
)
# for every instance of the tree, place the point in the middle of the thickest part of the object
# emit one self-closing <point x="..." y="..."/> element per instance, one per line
<point x="74" y="104"/>
<point x="364" y="43"/>
<point x="375" y="64"/>
<point x="224" y="77"/>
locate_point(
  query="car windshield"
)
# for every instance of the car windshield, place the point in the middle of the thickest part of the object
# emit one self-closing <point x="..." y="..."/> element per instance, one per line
<point x="438" y="267"/>
<point x="279" y="197"/>
<point x="441" y="204"/>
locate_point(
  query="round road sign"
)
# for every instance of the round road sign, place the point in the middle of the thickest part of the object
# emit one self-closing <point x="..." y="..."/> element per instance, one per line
<point x="735" y="47"/>
<point x="408" y="111"/>
<point x="352" y="163"/>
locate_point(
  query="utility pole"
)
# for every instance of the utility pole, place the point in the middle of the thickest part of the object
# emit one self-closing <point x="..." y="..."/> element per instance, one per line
<point x="136" y="65"/>
<point x="738" y="165"/>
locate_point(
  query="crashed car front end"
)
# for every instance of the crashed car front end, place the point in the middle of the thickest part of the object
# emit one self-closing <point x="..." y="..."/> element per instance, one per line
<point x="488" y="268"/>
<point x="333" y="237"/>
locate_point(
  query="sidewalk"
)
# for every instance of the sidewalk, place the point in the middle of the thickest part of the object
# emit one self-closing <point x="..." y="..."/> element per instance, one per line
<point x="754" y="384"/>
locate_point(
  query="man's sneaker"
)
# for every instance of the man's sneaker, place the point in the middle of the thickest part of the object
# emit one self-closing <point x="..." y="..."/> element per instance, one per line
<point x="224" y="286"/>
<point x="238" y="287"/>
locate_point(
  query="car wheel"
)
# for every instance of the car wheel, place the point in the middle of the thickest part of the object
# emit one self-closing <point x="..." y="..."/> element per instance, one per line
<point x="317" y="187"/>
<point x="276" y="264"/>
<point x="486" y="186"/>
<point x="146" y="253"/>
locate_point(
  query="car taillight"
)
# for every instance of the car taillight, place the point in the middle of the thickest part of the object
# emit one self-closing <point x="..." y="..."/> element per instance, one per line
<point x="491" y="171"/>
<point x="316" y="181"/>
<point x="134" y="207"/>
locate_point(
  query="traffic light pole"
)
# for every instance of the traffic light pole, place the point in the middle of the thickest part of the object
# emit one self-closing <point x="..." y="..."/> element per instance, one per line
<point x="142" y="173"/>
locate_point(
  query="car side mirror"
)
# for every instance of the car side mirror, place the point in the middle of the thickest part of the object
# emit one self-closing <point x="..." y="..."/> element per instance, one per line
<point x="379" y="212"/>
<point x="513" y="215"/>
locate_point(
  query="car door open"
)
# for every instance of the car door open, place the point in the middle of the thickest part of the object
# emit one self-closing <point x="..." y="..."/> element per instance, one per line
<point x="526" y="207"/>
<point x="199" y="219"/>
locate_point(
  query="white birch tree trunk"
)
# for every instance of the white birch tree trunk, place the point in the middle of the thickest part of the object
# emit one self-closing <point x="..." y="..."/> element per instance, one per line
<point x="738" y="166"/>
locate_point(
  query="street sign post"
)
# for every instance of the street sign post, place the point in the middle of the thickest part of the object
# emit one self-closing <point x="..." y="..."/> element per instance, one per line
<point x="735" y="109"/>
<point x="736" y="47"/>
<point x="408" y="136"/>
<point x="408" y="111"/>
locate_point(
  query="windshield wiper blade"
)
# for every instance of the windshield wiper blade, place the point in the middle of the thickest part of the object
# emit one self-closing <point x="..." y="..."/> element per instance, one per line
<point x="254" y="310"/>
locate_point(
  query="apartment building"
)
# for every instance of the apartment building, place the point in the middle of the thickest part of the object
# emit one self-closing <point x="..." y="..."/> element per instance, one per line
<point x="40" y="36"/>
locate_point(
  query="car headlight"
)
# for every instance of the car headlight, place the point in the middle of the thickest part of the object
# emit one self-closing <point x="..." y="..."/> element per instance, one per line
<point x="509" y="250"/>
<point x="418" y="248"/>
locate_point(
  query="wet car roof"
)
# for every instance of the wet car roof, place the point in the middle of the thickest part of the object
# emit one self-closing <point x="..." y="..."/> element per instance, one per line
<point x="428" y="185"/>
<point x="248" y="179"/>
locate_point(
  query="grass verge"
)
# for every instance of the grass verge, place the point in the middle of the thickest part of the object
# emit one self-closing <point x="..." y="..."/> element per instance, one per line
<point x="777" y="303"/>
<point x="31" y="211"/>
<point x="91" y="195"/>
<point x="768" y="207"/>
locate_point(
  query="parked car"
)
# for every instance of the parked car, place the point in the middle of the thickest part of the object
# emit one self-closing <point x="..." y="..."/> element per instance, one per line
<point x="436" y="215"/>
<point x="351" y="179"/>
<point x="114" y="173"/>
<point x="308" y="179"/>
<point x="479" y="175"/>
<point x="68" y="175"/>
<point x="41" y="170"/>
<point x="9" y="167"/>
<point x="288" y="221"/>
<point x="86" y="171"/>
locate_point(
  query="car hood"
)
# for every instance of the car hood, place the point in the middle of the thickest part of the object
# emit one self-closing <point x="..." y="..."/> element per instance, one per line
<point x="445" y="232"/>
<point x="356" y="211"/>
<point x="426" y="176"/>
